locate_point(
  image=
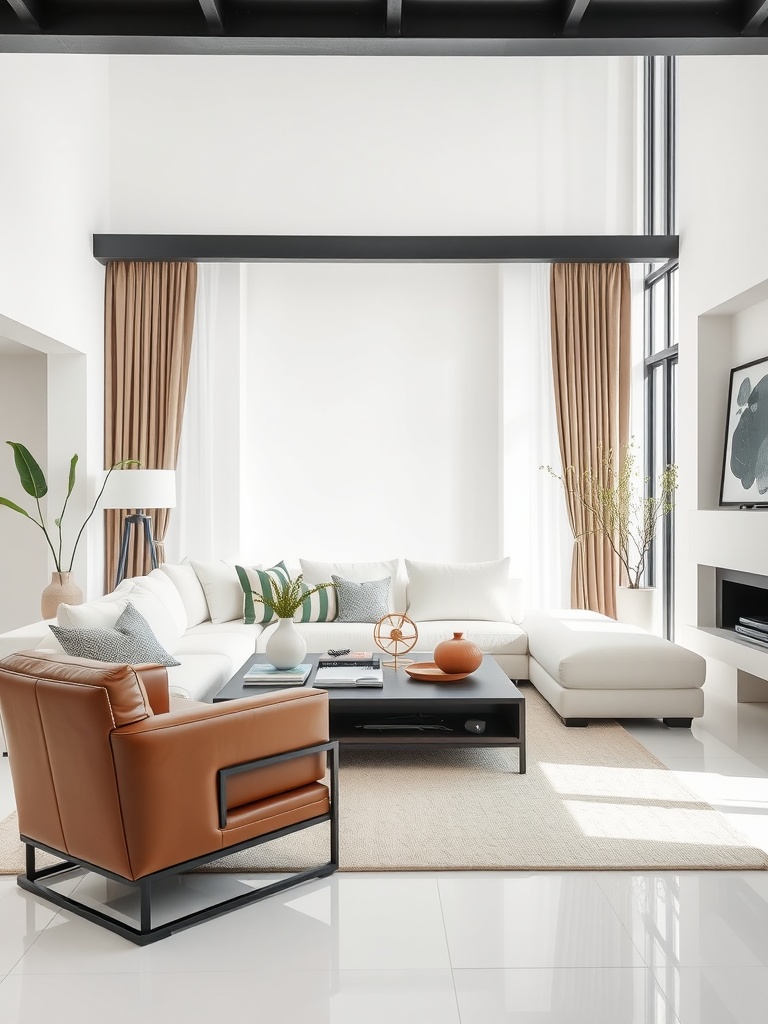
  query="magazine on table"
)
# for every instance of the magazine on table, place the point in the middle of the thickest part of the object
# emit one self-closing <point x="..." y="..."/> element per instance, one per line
<point x="268" y="675"/>
<point x="342" y="676"/>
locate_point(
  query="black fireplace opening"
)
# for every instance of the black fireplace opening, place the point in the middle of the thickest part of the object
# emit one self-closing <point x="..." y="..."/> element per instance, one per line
<point x="742" y="595"/>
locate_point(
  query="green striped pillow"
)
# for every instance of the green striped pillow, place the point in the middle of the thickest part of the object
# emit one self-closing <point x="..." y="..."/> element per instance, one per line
<point x="320" y="607"/>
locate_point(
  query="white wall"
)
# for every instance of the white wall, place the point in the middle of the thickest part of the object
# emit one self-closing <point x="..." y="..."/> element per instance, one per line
<point x="360" y="146"/>
<point x="723" y="321"/>
<point x="434" y="145"/>
<point x="53" y="195"/>
<point x="372" y="412"/>
<point x="23" y="417"/>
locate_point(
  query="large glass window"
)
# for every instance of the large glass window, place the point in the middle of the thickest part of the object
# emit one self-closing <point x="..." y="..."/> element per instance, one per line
<point x="661" y="306"/>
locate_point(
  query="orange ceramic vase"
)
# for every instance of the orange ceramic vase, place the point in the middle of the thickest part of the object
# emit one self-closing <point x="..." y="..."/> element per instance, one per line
<point x="458" y="655"/>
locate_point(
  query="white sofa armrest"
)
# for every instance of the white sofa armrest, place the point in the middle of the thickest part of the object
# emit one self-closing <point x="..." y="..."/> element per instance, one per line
<point x="25" y="638"/>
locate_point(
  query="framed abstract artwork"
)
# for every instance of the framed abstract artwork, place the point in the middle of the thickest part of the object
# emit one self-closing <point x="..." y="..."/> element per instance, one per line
<point x="745" y="458"/>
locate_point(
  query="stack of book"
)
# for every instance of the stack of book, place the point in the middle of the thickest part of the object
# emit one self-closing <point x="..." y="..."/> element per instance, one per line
<point x="268" y="675"/>
<point x="355" y="668"/>
<point x="753" y="628"/>
<point x="358" y="659"/>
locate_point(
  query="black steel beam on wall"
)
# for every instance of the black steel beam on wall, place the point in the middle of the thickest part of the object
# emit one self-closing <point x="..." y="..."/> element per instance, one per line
<point x="388" y="248"/>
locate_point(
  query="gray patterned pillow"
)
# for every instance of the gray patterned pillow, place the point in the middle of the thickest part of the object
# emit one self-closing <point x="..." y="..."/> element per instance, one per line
<point x="130" y="642"/>
<point x="362" y="602"/>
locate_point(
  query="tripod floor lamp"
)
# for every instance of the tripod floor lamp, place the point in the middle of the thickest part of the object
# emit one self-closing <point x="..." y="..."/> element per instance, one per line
<point x="138" y="489"/>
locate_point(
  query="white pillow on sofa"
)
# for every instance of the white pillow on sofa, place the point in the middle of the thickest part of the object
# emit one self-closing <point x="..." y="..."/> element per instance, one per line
<point x="190" y="589"/>
<point x="222" y="589"/>
<point x="104" y="612"/>
<point x="358" y="572"/>
<point x="459" y="590"/>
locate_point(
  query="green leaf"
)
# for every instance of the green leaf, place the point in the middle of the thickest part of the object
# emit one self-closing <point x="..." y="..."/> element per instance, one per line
<point x="72" y="474"/>
<point x="58" y="521"/>
<point x="16" y="508"/>
<point x="30" y="474"/>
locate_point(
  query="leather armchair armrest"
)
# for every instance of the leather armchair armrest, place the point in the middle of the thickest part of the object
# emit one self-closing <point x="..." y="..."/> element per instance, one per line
<point x="167" y="768"/>
<point x="154" y="678"/>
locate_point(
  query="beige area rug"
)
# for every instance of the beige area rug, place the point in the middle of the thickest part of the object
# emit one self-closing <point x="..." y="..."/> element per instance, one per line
<point x="592" y="798"/>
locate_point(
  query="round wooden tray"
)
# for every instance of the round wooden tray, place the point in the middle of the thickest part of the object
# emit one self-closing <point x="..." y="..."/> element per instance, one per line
<point x="428" y="672"/>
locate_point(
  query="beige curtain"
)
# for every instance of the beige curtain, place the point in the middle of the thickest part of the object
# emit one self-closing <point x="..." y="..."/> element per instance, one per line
<point x="591" y="369"/>
<point x="149" y="313"/>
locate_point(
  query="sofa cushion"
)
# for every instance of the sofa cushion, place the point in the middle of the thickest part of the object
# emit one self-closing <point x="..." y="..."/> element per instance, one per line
<point x="130" y="641"/>
<point x="190" y="589"/>
<point x="491" y="637"/>
<point x="362" y="602"/>
<point x="235" y="646"/>
<point x="222" y="589"/>
<point x="460" y="590"/>
<point x="160" y="584"/>
<point x="234" y="626"/>
<point x="586" y="650"/>
<point x="200" y="676"/>
<point x="359" y="572"/>
<point x="104" y="612"/>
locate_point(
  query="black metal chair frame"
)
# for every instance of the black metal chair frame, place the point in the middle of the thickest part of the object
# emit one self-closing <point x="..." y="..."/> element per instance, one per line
<point x="145" y="933"/>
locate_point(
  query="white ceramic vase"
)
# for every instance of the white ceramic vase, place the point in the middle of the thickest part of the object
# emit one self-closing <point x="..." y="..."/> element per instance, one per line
<point x="638" y="606"/>
<point x="286" y="647"/>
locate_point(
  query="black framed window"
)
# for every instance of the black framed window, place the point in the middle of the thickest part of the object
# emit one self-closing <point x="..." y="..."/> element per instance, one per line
<point x="661" y="285"/>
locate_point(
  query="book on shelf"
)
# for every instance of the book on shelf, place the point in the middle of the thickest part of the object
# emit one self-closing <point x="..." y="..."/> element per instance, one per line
<point x="268" y="675"/>
<point x="752" y="634"/>
<point x="361" y="659"/>
<point x="754" y="622"/>
<point x="342" y="676"/>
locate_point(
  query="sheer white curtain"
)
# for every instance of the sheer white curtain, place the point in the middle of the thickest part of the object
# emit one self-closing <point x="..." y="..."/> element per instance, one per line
<point x="535" y="525"/>
<point x="192" y="529"/>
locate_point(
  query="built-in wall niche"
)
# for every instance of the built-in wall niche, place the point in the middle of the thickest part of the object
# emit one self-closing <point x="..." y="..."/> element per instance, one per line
<point x="740" y="595"/>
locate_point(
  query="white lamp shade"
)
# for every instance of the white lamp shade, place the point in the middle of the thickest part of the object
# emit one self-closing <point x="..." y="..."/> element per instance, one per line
<point x="140" y="488"/>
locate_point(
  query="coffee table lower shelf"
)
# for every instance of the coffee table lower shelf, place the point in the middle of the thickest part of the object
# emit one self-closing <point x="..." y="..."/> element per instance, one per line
<point x="502" y="727"/>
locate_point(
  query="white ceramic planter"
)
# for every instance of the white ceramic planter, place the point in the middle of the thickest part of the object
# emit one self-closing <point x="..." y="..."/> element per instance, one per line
<point x="286" y="647"/>
<point x="638" y="606"/>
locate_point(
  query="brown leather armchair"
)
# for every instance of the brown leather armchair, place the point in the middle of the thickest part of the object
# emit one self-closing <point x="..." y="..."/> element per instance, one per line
<point x="110" y="779"/>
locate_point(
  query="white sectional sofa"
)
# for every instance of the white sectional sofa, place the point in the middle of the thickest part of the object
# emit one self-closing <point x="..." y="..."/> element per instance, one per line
<point x="587" y="668"/>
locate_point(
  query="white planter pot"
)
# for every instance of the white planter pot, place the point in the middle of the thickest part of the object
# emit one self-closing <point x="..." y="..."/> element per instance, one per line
<point x="286" y="647"/>
<point x="638" y="606"/>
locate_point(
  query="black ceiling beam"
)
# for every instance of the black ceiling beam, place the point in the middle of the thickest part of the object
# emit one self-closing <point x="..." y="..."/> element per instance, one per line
<point x="755" y="14"/>
<point x="387" y="248"/>
<point x="394" y="17"/>
<point x="29" y="13"/>
<point x="574" y="12"/>
<point x="213" y="15"/>
<point x="368" y="46"/>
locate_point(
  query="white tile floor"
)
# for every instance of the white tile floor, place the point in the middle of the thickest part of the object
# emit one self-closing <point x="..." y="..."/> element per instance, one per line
<point x="453" y="948"/>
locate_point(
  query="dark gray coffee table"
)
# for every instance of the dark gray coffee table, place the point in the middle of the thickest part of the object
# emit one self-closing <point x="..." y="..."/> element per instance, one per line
<point x="487" y="695"/>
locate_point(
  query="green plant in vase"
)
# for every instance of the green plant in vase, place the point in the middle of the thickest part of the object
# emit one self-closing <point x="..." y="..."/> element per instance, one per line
<point x="34" y="483"/>
<point x="286" y="647"/>
<point x="616" y="504"/>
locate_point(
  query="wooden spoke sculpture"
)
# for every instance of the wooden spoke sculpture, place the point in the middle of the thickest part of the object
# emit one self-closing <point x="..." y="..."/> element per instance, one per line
<point x="396" y="634"/>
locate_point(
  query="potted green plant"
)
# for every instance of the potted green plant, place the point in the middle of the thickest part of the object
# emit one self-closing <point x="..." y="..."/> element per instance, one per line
<point x="286" y="647"/>
<point x="32" y="479"/>
<point x="617" y="505"/>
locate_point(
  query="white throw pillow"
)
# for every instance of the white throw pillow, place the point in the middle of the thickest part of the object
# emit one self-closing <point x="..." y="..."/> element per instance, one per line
<point x="161" y="584"/>
<point x="104" y="612"/>
<point x="459" y="590"/>
<point x="222" y="589"/>
<point x="190" y="589"/>
<point x="359" y="572"/>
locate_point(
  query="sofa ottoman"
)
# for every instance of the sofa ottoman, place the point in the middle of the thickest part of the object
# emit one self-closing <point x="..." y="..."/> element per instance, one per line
<point x="590" y="666"/>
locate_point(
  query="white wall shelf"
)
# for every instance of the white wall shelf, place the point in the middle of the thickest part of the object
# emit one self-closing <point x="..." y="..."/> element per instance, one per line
<point x="724" y="645"/>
